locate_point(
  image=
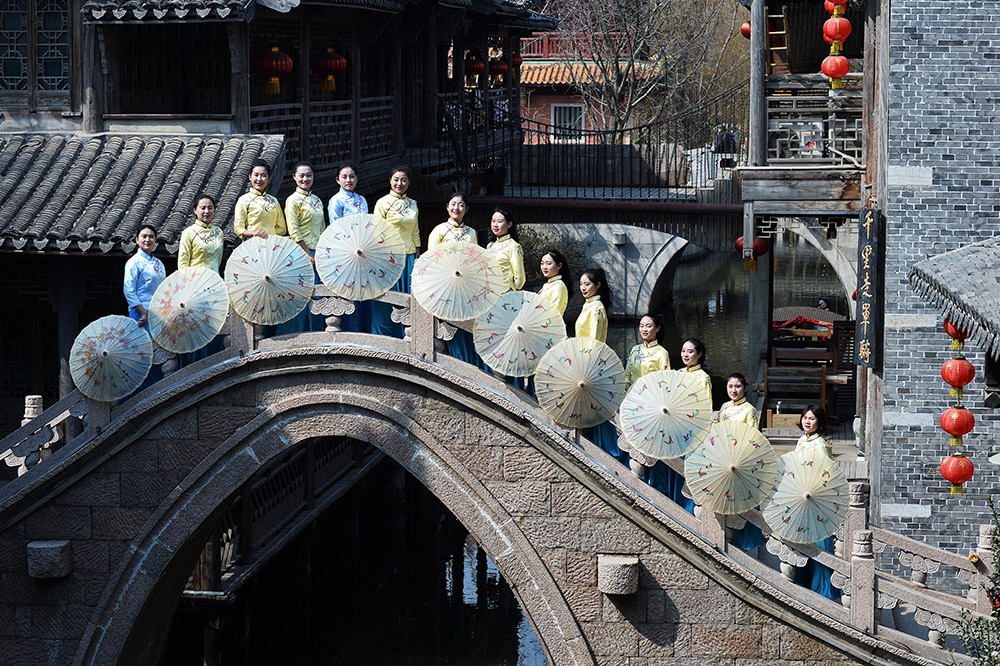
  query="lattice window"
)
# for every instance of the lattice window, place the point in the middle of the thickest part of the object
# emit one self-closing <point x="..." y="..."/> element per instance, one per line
<point x="567" y="123"/>
<point x="34" y="54"/>
<point x="158" y="77"/>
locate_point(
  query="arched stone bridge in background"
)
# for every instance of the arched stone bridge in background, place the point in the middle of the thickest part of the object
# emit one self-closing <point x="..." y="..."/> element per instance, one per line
<point x="102" y="535"/>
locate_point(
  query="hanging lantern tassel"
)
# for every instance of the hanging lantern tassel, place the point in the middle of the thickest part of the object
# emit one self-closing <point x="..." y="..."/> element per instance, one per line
<point x="760" y="248"/>
<point x="272" y="65"/>
<point x="957" y="372"/>
<point x="328" y="65"/>
<point x="957" y="421"/>
<point x="957" y="470"/>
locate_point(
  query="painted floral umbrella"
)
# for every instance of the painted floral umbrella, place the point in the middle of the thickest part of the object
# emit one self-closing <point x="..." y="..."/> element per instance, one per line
<point x="269" y="280"/>
<point x="666" y="414"/>
<point x="809" y="500"/>
<point x="110" y="358"/>
<point x="580" y="382"/>
<point x="188" y="309"/>
<point x="514" y="334"/>
<point x="360" y="257"/>
<point x="732" y="470"/>
<point x="457" y="281"/>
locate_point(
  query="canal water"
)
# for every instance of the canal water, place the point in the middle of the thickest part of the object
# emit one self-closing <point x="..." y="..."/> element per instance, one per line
<point x="710" y="301"/>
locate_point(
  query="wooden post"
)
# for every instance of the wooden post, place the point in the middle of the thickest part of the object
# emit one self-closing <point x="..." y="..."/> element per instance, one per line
<point x="396" y="78"/>
<point x="863" y="592"/>
<point x="302" y="81"/>
<point x="239" y="56"/>
<point x="428" y="130"/>
<point x="355" y="66"/>
<point x="91" y="82"/>
<point x="758" y="88"/>
<point x="66" y="300"/>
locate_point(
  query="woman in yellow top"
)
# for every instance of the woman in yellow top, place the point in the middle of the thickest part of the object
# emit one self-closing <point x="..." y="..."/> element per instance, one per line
<point x="454" y="229"/>
<point x="748" y="537"/>
<point x="201" y="242"/>
<point x="201" y="247"/>
<point x="257" y="212"/>
<point x="738" y="408"/>
<point x="557" y="279"/>
<point x="305" y="220"/>
<point x="593" y="323"/>
<point x="814" y="575"/>
<point x="593" y="319"/>
<point x="662" y="477"/>
<point x="506" y="248"/>
<point x="401" y="211"/>
<point x="649" y="356"/>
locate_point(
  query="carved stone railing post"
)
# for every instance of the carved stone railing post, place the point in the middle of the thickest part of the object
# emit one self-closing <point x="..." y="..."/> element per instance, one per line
<point x="333" y="310"/>
<point x="919" y="567"/>
<point x="790" y="559"/>
<point x="863" y="582"/>
<point x="421" y="331"/>
<point x="857" y="513"/>
<point x="242" y="336"/>
<point x="984" y="564"/>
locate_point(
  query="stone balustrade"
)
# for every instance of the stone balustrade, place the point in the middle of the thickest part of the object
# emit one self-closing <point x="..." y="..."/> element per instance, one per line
<point x="917" y="611"/>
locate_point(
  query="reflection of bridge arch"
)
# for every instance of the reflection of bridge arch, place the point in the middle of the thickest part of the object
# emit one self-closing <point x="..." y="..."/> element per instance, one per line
<point x="840" y="252"/>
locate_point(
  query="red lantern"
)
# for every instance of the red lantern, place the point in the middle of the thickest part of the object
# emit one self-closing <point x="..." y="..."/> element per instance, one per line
<point x="956" y="469"/>
<point x="474" y="66"/>
<point x="958" y="373"/>
<point x="957" y="335"/>
<point x="745" y="29"/>
<point x="760" y="246"/>
<point x="516" y="61"/>
<point x="836" y="67"/>
<point x="837" y="29"/>
<point x="829" y="6"/>
<point x="957" y="421"/>
<point x="498" y="68"/>
<point x="272" y="65"/>
<point x="329" y="64"/>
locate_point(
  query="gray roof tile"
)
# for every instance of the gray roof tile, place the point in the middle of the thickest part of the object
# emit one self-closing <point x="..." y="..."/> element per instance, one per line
<point x="87" y="192"/>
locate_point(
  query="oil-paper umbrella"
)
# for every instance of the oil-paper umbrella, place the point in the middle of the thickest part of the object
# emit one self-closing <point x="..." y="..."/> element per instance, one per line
<point x="360" y="257"/>
<point x="580" y="382"/>
<point x="110" y="358"/>
<point x="666" y="414"/>
<point x="457" y="281"/>
<point x="516" y="333"/>
<point x="809" y="500"/>
<point x="188" y="309"/>
<point x="732" y="470"/>
<point x="269" y="280"/>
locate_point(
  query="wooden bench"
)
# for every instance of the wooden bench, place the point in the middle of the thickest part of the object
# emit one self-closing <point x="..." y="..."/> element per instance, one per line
<point x="794" y="386"/>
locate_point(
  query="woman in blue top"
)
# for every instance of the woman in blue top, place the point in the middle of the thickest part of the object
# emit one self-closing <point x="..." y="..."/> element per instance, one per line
<point x="348" y="202"/>
<point x="143" y="274"/>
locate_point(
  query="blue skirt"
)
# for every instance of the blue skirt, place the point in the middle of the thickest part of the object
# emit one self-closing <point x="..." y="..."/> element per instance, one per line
<point x="463" y="348"/>
<point x="817" y="576"/>
<point x="358" y="322"/>
<point x="382" y="323"/>
<point x="748" y="538"/>
<point x="670" y="483"/>
<point x="215" y="345"/>
<point x="605" y="435"/>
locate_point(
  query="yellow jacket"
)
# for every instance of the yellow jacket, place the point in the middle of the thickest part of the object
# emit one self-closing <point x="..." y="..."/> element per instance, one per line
<point x="593" y="320"/>
<point x="739" y="410"/>
<point x="556" y="293"/>
<point x="304" y="216"/>
<point x="402" y="213"/>
<point x="644" y="359"/>
<point x="201" y="245"/>
<point x="507" y="252"/>
<point x="449" y="232"/>
<point x="258" y="210"/>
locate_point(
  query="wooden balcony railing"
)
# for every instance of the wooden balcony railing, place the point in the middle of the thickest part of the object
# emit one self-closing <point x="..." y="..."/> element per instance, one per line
<point x="808" y="123"/>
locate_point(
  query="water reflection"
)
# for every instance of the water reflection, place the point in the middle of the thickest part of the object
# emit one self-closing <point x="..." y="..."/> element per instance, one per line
<point x="711" y="297"/>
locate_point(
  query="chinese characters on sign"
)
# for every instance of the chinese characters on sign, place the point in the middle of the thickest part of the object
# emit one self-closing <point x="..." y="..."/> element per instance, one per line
<point x="868" y="334"/>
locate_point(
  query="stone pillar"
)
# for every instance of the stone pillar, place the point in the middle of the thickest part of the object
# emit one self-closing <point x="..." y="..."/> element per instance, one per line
<point x="983" y="559"/>
<point x="863" y="592"/>
<point x="857" y="512"/>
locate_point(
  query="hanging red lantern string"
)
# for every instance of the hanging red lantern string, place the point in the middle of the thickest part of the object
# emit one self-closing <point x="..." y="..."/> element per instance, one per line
<point x="836" y="68"/>
<point x="329" y="64"/>
<point x="956" y="334"/>
<point x="956" y="469"/>
<point x="836" y="29"/>
<point x="957" y="421"/>
<point x="272" y="65"/>
<point x="957" y="372"/>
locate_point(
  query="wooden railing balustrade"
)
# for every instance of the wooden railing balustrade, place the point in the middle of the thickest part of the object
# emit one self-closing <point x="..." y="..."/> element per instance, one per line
<point x="809" y="123"/>
<point x="917" y="611"/>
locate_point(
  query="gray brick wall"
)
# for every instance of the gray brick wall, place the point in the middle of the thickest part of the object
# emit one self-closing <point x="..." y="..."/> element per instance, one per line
<point x="944" y="103"/>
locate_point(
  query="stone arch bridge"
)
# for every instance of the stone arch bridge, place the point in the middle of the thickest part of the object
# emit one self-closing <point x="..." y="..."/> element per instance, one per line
<point x="101" y="536"/>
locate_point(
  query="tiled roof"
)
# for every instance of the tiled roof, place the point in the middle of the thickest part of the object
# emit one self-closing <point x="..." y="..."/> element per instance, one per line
<point x="90" y="193"/>
<point x="112" y="11"/>
<point x="393" y="6"/>
<point x="532" y="20"/>
<point x="546" y="74"/>
<point x="965" y="285"/>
